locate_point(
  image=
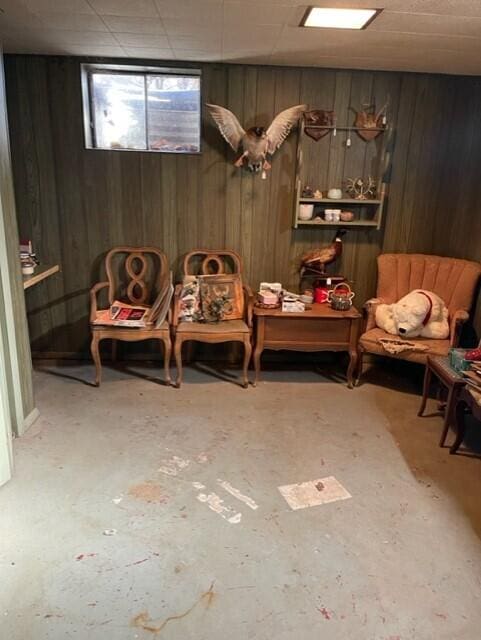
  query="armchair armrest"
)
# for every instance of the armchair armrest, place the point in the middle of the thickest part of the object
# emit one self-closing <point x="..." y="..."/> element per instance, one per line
<point x="93" y="298"/>
<point x="176" y="305"/>
<point x="458" y="318"/>
<point x="369" y="309"/>
<point x="249" y="304"/>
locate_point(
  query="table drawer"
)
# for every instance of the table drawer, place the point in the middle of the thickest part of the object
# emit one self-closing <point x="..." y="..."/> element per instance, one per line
<point x="304" y="330"/>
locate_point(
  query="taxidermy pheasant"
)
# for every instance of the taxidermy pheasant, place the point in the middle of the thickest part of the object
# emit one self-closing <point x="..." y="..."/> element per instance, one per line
<point x="318" y="259"/>
<point x="256" y="142"/>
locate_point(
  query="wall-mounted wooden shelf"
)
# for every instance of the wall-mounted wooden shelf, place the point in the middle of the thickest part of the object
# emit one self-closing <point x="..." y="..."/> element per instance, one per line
<point x="361" y="158"/>
<point x="344" y="128"/>
<point x="333" y="201"/>
<point x="41" y="272"/>
<point x="345" y="225"/>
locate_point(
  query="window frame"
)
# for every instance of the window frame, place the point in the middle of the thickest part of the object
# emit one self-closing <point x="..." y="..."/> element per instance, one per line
<point x="87" y="69"/>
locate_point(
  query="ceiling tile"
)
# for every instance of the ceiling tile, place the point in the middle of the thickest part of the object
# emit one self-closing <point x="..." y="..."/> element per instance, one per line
<point x="15" y="16"/>
<point x="123" y="24"/>
<point x="95" y="50"/>
<point x="174" y="26"/>
<point x="149" y="52"/>
<point x="205" y="11"/>
<point x="255" y="34"/>
<point x="142" y="40"/>
<point x="64" y="6"/>
<point x="193" y="43"/>
<point x="62" y="37"/>
<point x="198" y="56"/>
<point x="433" y="24"/>
<point x="135" y="8"/>
<point x="240" y="13"/>
<point x="72" y="21"/>
<point x="470" y="8"/>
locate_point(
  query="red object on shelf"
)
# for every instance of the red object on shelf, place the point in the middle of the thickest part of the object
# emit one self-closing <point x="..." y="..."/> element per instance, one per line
<point x="473" y="354"/>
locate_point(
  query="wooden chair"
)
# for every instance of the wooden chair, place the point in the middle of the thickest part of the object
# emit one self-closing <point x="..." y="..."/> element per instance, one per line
<point x="135" y="275"/>
<point x="204" y="262"/>
<point x="451" y="279"/>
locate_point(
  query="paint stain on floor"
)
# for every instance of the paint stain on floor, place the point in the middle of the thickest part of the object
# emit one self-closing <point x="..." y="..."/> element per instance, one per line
<point x="148" y="492"/>
<point x="144" y="621"/>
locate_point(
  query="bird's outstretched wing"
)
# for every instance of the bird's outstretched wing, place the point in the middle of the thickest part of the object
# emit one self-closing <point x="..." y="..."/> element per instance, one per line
<point x="281" y="126"/>
<point x="228" y="124"/>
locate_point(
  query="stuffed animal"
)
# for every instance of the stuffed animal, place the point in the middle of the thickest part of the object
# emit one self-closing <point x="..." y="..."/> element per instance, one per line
<point x="419" y="313"/>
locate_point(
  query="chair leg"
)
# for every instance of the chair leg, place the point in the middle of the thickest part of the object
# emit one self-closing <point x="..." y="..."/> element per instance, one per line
<point x="94" y="350"/>
<point x="360" y="362"/>
<point x="178" y="360"/>
<point x="167" y="354"/>
<point x="426" y="385"/>
<point x="247" y="357"/>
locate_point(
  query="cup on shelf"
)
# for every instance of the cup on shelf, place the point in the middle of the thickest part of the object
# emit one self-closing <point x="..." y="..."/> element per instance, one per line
<point x="306" y="211"/>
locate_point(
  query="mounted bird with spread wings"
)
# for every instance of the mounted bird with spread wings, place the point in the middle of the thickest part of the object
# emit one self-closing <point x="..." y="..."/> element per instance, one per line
<point x="256" y="142"/>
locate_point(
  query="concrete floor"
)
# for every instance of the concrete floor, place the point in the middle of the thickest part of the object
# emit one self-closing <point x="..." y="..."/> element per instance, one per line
<point x="400" y="560"/>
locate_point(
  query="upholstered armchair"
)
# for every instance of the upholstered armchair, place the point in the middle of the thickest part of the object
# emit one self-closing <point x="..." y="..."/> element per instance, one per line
<point x="399" y="273"/>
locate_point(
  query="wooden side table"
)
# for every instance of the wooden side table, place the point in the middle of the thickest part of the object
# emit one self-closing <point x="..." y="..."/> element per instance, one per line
<point x="469" y="402"/>
<point x="317" y="329"/>
<point x="439" y="367"/>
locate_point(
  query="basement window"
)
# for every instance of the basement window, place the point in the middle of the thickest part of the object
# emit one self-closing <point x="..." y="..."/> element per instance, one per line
<point x="130" y="108"/>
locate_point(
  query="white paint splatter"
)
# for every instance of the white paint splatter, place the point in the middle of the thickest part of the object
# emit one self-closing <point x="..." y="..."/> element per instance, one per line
<point x="117" y="500"/>
<point x="314" y="493"/>
<point x="202" y="458"/>
<point x="173" y="466"/>
<point x="215" y="503"/>
<point x="235" y="519"/>
<point x="198" y="485"/>
<point x="237" y="494"/>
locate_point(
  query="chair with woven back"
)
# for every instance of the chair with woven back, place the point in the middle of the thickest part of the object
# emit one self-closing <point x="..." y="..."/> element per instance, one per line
<point x="137" y="276"/>
<point x="203" y="263"/>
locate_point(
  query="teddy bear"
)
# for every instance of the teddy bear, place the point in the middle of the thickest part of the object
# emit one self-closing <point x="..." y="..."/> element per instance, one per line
<point x="419" y="313"/>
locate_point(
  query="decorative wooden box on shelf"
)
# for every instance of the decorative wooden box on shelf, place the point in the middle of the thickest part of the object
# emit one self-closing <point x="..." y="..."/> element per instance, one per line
<point x="368" y="212"/>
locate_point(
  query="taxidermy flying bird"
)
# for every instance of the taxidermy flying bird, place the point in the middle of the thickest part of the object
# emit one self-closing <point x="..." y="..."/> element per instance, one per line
<point x="256" y="142"/>
<point x="318" y="259"/>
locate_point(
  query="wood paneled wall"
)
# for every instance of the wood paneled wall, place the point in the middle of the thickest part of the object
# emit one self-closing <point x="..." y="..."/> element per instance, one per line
<point x="18" y="362"/>
<point x="457" y="224"/>
<point x="75" y="203"/>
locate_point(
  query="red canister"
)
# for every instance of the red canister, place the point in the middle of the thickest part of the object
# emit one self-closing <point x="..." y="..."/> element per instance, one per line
<point x="321" y="294"/>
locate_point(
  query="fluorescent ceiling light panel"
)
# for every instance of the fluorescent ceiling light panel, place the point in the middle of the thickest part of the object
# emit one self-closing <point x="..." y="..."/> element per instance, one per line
<point x="338" y="18"/>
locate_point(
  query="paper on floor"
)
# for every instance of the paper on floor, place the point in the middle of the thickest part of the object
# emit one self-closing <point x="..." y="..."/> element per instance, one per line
<point x="314" y="493"/>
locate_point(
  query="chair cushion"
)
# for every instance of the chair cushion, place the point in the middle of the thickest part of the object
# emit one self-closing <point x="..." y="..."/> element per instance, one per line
<point x="369" y="342"/>
<point x="226" y="326"/>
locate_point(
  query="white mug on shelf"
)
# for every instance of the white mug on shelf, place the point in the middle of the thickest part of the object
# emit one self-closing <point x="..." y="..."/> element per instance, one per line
<point x="306" y="211"/>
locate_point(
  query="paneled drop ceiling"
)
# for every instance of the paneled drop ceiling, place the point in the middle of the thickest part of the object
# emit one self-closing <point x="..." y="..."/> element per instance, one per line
<point x="441" y="36"/>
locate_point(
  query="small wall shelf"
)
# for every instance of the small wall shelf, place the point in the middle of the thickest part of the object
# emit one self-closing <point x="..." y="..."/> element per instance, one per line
<point x="338" y="201"/>
<point x="331" y="164"/>
<point x="345" y="225"/>
<point x="41" y="272"/>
